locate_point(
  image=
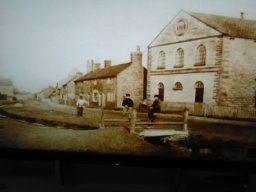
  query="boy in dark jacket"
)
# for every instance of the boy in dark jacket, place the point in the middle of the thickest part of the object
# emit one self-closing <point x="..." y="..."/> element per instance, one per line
<point x="155" y="107"/>
<point x="127" y="105"/>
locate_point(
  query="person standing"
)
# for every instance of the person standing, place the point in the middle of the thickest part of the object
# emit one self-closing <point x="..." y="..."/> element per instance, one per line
<point x="81" y="102"/>
<point x="127" y="105"/>
<point x="155" y="107"/>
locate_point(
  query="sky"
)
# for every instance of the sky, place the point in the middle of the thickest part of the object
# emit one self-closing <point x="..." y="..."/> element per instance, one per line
<point x="42" y="42"/>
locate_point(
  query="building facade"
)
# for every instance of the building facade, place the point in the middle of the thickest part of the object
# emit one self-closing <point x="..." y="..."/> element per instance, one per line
<point x="202" y="58"/>
<point x="105" y="87"/>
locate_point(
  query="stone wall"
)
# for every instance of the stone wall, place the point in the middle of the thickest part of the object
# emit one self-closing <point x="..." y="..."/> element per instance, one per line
<point x="238" y="85"/>
<point x="131" y="80"/>
<point x="106" y="89"/>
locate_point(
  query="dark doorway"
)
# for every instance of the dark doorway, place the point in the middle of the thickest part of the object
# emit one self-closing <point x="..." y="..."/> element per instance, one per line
<point x="161" y="91"/>
<point x="199" y="96"/>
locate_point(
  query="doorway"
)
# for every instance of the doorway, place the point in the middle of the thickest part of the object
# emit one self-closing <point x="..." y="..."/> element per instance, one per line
<point x="199" y="92"/>
<point x="161" y="91"/>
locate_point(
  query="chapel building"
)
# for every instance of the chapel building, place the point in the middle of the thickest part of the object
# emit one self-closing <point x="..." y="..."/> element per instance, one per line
<point x="203" y="58"/>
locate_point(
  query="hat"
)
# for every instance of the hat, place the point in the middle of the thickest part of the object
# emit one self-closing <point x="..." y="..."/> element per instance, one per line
<point x="156" y="96"/>
<point x="127" y="94"/>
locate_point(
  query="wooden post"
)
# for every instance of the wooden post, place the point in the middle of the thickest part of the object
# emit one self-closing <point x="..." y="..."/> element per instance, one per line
<point x="185" y="119"/>
<point x="101" y="125"/>
<point x="133" y="121"/>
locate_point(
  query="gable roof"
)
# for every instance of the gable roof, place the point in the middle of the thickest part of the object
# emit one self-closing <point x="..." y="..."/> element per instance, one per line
<point x="111" y="71"/>
<point x="234" y="27"/>
<point x="5" y="82"/>
<point x="72" y="78"/>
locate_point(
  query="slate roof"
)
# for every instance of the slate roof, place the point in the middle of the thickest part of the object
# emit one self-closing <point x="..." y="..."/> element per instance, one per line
<point x="111" y="71"/>
<point x="234" y="27"/>
<point x="5" y="82"/>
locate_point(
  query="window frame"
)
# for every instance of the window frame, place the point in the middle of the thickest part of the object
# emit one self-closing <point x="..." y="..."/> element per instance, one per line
<point x="177" y="86"/>
<point x="200" y="55"/>
<point x="161" y="60"/>
<point x="179" y="58"/>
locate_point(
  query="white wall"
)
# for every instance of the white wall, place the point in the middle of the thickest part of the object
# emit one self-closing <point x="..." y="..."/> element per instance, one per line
<point x="188" y="81"/>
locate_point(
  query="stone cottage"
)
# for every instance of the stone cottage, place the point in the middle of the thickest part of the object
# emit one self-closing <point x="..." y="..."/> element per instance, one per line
<point x="203" y="58"/>
<point x="105" y="87"/>
<point x="67" y="90"/>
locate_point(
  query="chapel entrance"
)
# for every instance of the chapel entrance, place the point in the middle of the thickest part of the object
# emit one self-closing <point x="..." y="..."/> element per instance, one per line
<point x="161" y="91"/>
<point x="199" y="92"/>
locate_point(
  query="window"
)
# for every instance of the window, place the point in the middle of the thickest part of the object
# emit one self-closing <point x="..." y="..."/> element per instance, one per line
<point x="181" y="28"/>
<point x="110" y="97"/>
<point x="177" y="86"/>
<point x="200" y="55"/>
<point x="95" y="96"/>
<point x="199" y="92"/>
<point x="179" y="59"/>
<point x="161" y="60"/>
<point x="199" y="84"/>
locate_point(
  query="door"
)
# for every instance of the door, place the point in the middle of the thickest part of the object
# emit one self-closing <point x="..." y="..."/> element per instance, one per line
<point x="161" y="91"/>
<point x="199" y="92"/>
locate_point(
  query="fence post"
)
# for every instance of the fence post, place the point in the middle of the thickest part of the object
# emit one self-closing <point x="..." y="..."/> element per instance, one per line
<point x="133" y="121"/>
<point x="185" y="127"/>
<point x="101" y="125"/>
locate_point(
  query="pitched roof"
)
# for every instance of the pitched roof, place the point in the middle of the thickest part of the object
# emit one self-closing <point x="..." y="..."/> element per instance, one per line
<point x="72" y="78"/>
<point x="6" y="82"/>
<point x="110" y="71"/>
<point x="234" y="27"/>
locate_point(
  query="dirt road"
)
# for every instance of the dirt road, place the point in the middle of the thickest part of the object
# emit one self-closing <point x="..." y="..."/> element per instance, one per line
<point x="19" y="134"/>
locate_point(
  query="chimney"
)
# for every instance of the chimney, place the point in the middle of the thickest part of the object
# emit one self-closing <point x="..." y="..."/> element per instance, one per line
<point x="136" y="56"/>
<point x="242" y="15"/>
<point x="89" y="66"/>
<point x="95" y="66"/>
<point x="107" y="63"/>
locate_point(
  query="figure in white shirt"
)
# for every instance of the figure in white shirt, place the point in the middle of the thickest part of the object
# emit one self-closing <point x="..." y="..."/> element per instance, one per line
<point x="81" y="102"/>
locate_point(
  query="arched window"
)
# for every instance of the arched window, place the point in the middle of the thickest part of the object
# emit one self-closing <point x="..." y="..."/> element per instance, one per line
<point x="161" y="60"/>
<point x="200" y="55"/>
<point x="199" y="92"/>
<point x="177" y="86"/>
<point x="179" y="59"/>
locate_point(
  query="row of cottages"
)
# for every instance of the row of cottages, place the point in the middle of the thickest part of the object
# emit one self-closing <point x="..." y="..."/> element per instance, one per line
<point x="203" y="58"/>
<point x="67" y="90"/>
<point x="64" y="91"/>
<point x="6" y="89"/>
<point x="45" y="94"/>
<point x="105" y="87"/>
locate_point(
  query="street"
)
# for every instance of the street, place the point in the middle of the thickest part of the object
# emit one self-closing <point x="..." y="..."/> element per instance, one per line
<point x="45" y="125"/>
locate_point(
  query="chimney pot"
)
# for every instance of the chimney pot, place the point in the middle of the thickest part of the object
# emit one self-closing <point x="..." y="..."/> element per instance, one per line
<point x="242" y="15"/>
